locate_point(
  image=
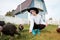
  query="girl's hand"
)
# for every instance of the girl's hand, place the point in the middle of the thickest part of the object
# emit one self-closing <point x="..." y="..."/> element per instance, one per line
<point x="46" y="24"/>
<point x="30" y="31"/>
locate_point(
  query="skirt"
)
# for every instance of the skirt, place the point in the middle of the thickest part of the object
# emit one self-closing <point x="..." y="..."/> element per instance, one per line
<point x="39" y="26"/>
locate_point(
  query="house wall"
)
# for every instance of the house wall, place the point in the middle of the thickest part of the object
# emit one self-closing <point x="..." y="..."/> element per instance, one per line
<point x="23" y="15"/>
<point x="16" y="20"/>
<point x="35" y="3"/>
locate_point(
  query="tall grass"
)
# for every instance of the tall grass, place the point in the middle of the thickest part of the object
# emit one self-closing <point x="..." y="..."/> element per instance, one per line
<point x="49" y="33"/>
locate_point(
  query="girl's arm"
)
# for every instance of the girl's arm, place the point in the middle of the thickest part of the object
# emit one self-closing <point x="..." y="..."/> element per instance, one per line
<point x="31" y="25"/>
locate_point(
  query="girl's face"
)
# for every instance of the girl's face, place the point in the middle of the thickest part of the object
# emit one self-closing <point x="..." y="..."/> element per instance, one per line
<point x="33" y="12"/>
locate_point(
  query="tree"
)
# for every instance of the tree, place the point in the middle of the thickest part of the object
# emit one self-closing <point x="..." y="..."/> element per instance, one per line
<point x="50" y="19"/>
<point x="10" y="13"/>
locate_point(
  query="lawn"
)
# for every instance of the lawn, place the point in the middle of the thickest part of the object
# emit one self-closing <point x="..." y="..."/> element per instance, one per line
<point x="49" y="33"/>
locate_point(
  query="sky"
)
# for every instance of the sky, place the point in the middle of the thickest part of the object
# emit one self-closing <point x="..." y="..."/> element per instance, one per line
<point x="8" y="5"/>
<point x="53" y="7"/>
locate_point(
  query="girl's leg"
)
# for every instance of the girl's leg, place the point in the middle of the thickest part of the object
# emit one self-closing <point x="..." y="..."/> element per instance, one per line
<point x="34" y="32"/>
<point x="38" y="31"/>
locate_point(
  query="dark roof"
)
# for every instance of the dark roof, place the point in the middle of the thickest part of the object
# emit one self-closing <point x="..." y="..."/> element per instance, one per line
<point x="23" y="6"/>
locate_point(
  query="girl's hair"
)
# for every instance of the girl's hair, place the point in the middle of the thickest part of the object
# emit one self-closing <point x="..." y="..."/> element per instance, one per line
<point x="33" y="8"/>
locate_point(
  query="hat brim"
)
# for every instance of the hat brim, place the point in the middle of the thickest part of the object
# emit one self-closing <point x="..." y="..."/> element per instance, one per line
<point x="33" y="8"/>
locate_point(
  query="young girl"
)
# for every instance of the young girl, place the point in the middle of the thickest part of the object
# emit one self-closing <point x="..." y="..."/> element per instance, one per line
<point x="36" y="22"/>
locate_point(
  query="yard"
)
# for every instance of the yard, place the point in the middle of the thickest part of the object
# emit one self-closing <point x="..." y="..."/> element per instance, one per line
<point x="49" y="33"/>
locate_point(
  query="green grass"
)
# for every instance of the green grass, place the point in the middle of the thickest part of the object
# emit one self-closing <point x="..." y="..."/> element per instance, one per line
<point x="49" y="33"/>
